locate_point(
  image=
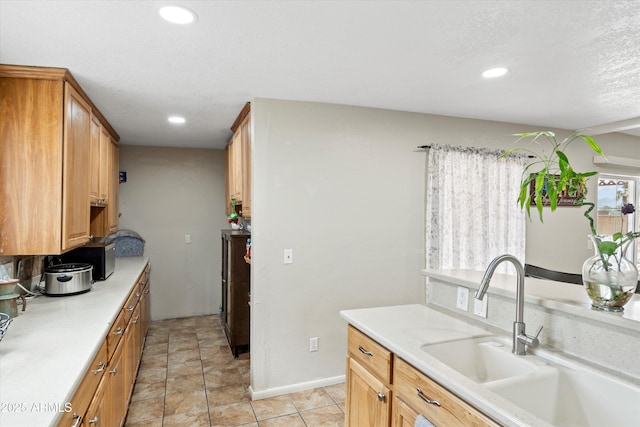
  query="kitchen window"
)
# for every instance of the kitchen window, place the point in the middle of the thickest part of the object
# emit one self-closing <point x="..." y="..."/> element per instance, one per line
<point x="615" y="191"/>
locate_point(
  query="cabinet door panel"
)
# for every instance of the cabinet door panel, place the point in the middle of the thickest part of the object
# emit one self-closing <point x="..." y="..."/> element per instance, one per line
<point x="76" y="202"/>
<point x="403" y="414"/>
<point x="114" y="176"/>
<point x="96" y="130"/>
<point x="368" y="399"/>
<point x="31" y="174"/>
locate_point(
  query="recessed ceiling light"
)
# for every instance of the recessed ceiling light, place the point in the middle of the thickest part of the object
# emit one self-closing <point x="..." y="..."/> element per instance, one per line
<point x="495" y="72"/>
<point x="177" y="14"/>
<point x="176" y="120"/>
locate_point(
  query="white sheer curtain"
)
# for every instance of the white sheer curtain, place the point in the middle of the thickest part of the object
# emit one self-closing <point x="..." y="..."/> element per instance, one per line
<point x="472" y="214"/>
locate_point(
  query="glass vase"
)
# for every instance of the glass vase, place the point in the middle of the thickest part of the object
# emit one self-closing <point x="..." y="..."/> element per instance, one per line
<point x="610" y="280"/>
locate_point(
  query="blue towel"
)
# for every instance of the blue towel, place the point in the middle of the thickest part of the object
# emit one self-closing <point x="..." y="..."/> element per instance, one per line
<point x="421" y="421"/>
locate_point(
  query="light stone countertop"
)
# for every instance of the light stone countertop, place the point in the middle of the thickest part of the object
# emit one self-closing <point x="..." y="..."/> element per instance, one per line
<point x="48" y="348"/>
<point x="405" y="329"/>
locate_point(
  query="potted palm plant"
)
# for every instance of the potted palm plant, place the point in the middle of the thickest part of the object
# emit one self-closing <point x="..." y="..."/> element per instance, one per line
<point x="609" y="277"/>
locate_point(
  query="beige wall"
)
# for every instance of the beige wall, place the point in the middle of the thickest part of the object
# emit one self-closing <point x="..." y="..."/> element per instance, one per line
<point x="171" y="192"/>
<point x="343" y="187"/>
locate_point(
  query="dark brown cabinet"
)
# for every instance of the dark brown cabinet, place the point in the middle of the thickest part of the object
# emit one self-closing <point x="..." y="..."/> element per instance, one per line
<point x="234" y="312"/>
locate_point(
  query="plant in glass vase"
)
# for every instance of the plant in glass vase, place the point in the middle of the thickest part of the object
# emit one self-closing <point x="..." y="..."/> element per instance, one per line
<point x="609" y="278"/>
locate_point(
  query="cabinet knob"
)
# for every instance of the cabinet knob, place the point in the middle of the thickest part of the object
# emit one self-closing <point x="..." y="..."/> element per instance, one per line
<point x="381" y="396"/>
<point x="118" y="331"/>
<point x="94" y="421"/>
<point x="113" y="371"/>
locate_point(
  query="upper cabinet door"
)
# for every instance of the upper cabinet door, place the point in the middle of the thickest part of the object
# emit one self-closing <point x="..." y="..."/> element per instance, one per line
<point x="96" y="128"/>
<point x="105" y="167"/>
<point x="30" y="165"/>
<point x="76" y="170"/>
<point x="245" y="129"/>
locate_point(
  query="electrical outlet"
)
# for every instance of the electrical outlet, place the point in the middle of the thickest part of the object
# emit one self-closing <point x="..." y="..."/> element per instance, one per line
<point x="288" y="256"/>
<point x="480" y="306"/>
<point x="462" y="300"/>
<point x="313" y="344"/>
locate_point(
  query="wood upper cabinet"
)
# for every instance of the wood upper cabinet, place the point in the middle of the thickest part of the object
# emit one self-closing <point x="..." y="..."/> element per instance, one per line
<point x="96" y="131"/>
<point x="76" y="170"/>
<point x="47" y="131"/>
<point x="113" y="210"/>
<point x="104" y="178"/>
<point x="238" y="164"/>
<point x="245" y="129"/>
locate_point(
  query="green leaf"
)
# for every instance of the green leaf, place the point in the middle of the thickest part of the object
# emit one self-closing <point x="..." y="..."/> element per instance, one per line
<point x="592" y="143"/>
<point x="553" y="198"/>
<point x="617" y="236"/>
<point x="607" y="248"/>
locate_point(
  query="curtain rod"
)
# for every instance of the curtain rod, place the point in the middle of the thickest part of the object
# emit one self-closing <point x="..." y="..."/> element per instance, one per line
<point x="425" y="147"/>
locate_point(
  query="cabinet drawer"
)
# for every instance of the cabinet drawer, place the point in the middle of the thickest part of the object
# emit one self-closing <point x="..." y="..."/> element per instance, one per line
<point x="452" y="410"/>
<point x="87" y="388"/>
<point x="130" y="305"/>
<point x="370" y="354"/>
<point x="115" y="333"/>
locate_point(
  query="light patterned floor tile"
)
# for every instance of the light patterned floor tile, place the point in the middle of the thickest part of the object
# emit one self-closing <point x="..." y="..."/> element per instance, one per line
<point x="188" y="377"/>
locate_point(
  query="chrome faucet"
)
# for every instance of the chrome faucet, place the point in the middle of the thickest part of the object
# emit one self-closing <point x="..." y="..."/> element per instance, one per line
<point x="520" y="339"/>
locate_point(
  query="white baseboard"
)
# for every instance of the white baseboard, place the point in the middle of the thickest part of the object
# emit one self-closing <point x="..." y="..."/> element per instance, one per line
<point x="293" y="388"/>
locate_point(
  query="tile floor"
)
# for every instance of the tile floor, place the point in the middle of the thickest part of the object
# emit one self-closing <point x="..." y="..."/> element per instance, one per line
<point x="188" y="377"/>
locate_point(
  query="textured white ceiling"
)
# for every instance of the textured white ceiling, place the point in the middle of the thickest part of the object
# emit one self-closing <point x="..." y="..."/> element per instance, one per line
<point x="574" y="63"/>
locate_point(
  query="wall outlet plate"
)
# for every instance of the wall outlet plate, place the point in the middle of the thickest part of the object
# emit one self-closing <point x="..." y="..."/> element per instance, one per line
<point x="480" y="306"/>
<point x="462" y="299"/>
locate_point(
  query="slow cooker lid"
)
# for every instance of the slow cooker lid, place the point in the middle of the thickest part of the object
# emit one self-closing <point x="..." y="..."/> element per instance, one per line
<point x="68" y="268"/>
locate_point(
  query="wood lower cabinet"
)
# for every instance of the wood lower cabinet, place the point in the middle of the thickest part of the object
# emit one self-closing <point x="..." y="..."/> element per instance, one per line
<point x="117" y="400"/>
<point x="384" y="390"/>
<point x="234" y="312"/>
<point x="48" y="136"/>
<point x="368" y="398"/>
<point x="103" y="397"/>
<point x="99" y="412"/>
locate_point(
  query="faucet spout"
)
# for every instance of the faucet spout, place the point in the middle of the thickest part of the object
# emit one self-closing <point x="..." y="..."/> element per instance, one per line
<point x="520" y="339"/>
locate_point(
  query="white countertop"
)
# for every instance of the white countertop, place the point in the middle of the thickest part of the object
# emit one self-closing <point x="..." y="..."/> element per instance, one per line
<point x="48" y="348"/>
<point x="405" y="329"/>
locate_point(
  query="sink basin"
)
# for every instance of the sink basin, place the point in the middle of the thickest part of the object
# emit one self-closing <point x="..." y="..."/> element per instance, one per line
<point x="557" y="390"/>
<point x="482" y="359"/>
<point x="566" y="397"/>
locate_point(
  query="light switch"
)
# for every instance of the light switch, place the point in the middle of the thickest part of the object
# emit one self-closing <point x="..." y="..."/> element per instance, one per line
<point x="187" y="238"/>
<point x="288" y="256"/>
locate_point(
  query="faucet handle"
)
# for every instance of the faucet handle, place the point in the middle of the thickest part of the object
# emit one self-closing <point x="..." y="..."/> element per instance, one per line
<point x="538" y="332"/>
<point x="532" y="341"/>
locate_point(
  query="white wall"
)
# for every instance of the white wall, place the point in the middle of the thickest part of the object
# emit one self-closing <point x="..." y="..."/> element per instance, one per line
<point x="343" y="187"/>
<point x="171" y="192"/>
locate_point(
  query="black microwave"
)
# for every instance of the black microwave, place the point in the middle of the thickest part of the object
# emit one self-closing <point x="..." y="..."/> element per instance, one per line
<point x="102" y="256"/>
